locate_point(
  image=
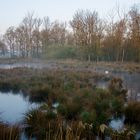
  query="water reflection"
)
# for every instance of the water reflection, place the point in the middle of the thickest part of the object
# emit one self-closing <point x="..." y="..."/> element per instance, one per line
<point x="130" y="82"/>
<point x="13" y="107"/>
<point x="36" y="65"/>
<point x="117" y="123"/>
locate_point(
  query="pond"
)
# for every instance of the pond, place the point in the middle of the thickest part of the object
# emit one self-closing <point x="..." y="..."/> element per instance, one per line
<point x="130" y="82"/>
<point x="13" y="106"/>
<point x="36" y="65"/>
<point x="118" y="124"/>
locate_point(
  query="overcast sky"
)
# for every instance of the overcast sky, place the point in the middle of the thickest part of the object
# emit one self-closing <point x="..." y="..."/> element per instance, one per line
<point x="13" y="11"/>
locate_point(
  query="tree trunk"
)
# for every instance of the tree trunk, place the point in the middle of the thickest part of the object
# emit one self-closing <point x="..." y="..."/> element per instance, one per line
<point x="123" y="52"/>
<point x="89" y="58"/>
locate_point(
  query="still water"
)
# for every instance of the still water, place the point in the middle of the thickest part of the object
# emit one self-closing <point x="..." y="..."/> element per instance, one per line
<point x="13" y="106"/>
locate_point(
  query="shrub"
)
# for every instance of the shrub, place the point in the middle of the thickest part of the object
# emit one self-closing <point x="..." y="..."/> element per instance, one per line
<point x="39" y="94"/>
<point x="117" y="105"/>
<point x="88" y="117"/>
<point x="35" y="120"/>
<point x="116" y="87"/>
<point x="70" y="110"/>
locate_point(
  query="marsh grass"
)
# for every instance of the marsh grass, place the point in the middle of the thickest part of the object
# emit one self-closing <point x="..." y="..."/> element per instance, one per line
<point x="73" y="90"/>
<point x="9" y="132"/>
<point x="42" y="127"/>
<point x="82" y="106"/>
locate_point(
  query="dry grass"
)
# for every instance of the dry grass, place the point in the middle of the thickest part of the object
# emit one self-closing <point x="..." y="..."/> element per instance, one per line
<point x="9" y="132"/>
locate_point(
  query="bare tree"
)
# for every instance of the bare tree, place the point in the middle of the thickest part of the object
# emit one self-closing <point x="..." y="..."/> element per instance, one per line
<point x="116" y="39"/>
<point x="115" y="34"/>
<point x="10" y="40"/>
<point x="87" y="28"/>
<point x="21" y="40"/>
<point x="45" y="33"/>
<point x="37" y="46"/>
<point x="58" y="33"/>
<point x="28" y="23"/>
<point x="134" y="24"/>
<point x="3" y="48"/>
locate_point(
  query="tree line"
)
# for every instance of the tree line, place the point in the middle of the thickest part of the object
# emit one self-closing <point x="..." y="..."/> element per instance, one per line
<point x="97" y="39"/>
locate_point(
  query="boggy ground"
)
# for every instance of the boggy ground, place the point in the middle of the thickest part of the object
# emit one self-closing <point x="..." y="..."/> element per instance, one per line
<point x="72" y="64"/>
<point x="80" y="103"/>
